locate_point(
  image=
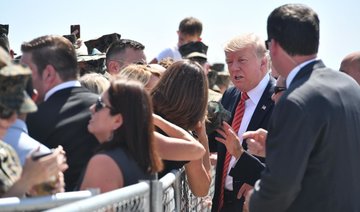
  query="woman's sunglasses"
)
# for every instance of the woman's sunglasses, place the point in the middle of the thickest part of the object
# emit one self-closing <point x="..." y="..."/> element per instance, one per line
<point x="99" y="105"/>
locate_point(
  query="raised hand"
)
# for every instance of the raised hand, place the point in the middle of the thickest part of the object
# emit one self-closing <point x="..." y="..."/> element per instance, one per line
<point x="230" y="140"/>
<point x="256" y="142"/>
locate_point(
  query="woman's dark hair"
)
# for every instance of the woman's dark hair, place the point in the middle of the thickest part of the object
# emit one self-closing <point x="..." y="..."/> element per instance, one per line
<point x="181" y="94"/>
<point x="136" y="134"/>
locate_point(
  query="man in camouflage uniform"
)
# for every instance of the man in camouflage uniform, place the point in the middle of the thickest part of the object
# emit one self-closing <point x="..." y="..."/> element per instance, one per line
<point x="12" y="99"/>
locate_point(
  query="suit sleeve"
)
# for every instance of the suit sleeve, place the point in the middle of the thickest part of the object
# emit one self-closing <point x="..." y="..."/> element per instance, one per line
<point x="247" y="169"/>
<point x="290" y="140"/>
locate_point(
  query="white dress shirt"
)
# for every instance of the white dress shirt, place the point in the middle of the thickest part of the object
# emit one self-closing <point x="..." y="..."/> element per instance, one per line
<point x="250" y="106"/>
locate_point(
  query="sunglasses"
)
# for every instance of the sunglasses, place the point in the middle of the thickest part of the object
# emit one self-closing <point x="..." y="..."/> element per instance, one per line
<point x="6" y="113"/>
<point x="278" y="89"/>
<point x="99" y="105"/>
<point x="267" y="43"/>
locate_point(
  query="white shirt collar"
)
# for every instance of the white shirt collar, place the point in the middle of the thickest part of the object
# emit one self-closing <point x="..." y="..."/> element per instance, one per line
<point x="68" y="84"/>
<point x="296" y="70"/>
<point x="256" y="93"/>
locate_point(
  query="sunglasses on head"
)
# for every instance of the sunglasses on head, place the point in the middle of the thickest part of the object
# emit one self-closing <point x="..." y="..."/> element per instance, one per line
<point x="278" y="89"/>
<point x="99" y="105"/>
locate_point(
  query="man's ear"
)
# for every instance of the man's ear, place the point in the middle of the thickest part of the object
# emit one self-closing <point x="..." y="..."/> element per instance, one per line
<point x="50" y="77"/>
<point x="113" y="67"/>
<point x="264" y="63"/>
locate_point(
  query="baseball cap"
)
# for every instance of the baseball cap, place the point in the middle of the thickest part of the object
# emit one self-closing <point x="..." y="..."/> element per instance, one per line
<point x="193" y="49"/>
<point x="13" y="79"/>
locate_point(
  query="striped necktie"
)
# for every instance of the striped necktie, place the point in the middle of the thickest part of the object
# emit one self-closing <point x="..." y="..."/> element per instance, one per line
<point x="239" y="113"/>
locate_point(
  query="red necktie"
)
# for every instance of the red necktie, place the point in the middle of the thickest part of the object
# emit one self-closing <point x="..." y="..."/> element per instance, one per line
<point x="239" y="113"/>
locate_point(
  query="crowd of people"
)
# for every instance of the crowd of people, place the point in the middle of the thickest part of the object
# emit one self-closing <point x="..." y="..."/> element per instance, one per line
<point x="281" y="128"/>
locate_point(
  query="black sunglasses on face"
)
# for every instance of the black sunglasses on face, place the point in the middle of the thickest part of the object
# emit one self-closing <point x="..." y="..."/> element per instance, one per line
<point x="99" y="105"/>
<point x="278" y="89"/>
<point x="267" y="43"/>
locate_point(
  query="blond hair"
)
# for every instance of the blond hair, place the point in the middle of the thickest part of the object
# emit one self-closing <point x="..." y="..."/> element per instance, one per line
<point x="247" y="40"/>
<point x="138" y="72"/>
<point x="95" y="82"/>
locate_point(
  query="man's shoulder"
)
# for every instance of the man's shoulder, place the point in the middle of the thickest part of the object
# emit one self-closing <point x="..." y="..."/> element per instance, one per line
<point x="230" y="97"/>
<point x="165" y="53"/>
<point x="69" y="94"/>
<point x="81" y="91"/>
<point x="65" y="99"/>
<point x="231" y="92"/>
<point x="168" y="52"/>
<point x="80" y="96"/>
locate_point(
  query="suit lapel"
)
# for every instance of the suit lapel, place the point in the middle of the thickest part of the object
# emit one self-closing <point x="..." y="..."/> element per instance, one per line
<point x="263" y="107"/>
<point x="233" y="107"/>
<point x="262" y="110"/>
<point x="230" y="100"/>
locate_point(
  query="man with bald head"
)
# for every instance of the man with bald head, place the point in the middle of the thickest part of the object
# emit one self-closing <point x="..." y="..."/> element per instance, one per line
<point x="350" y="65"/>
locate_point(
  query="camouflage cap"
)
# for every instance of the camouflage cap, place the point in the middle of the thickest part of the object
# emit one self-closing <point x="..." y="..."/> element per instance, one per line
<point x="193" y="49"/>
<point x="219" y="67"/>
<point x="13" y="79"/>
<point x="5" y="58"/>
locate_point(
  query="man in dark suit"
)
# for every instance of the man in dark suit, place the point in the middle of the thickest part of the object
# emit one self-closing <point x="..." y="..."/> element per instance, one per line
<point x="247" y="62"/>
<point x="63" y="107"/>
<point x="313" y="144"/>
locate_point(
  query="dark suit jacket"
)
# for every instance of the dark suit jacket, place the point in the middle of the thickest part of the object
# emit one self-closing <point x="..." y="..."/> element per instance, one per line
<point x="313" y="146"/>
<point x="62" y="120"/>
<point x="248" y="168"/>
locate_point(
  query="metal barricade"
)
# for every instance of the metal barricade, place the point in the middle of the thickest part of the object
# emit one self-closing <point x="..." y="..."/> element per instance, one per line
<point x="169" y="194"/>
<point x="44" y="202"/>
<point x="130" y="198"/>
<point x="190" y="202"/>
<point x="171" y="191"/>
<point x="177" y="195"/>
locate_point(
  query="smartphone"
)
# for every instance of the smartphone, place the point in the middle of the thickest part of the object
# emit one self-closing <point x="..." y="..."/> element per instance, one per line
<point x="75" y="30"/>
<point x="38" y="155"/>
<point x="4" y="29"/>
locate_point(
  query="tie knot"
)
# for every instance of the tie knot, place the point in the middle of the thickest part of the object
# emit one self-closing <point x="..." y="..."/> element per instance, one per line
<point x="244" y="96"/>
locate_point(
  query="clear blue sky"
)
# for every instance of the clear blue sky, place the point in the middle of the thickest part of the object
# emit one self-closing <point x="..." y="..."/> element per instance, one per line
<point x="154" y="22"/>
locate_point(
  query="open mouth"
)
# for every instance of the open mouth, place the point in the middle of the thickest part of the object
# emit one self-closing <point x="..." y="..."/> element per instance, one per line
<point x="238" y="77"/>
